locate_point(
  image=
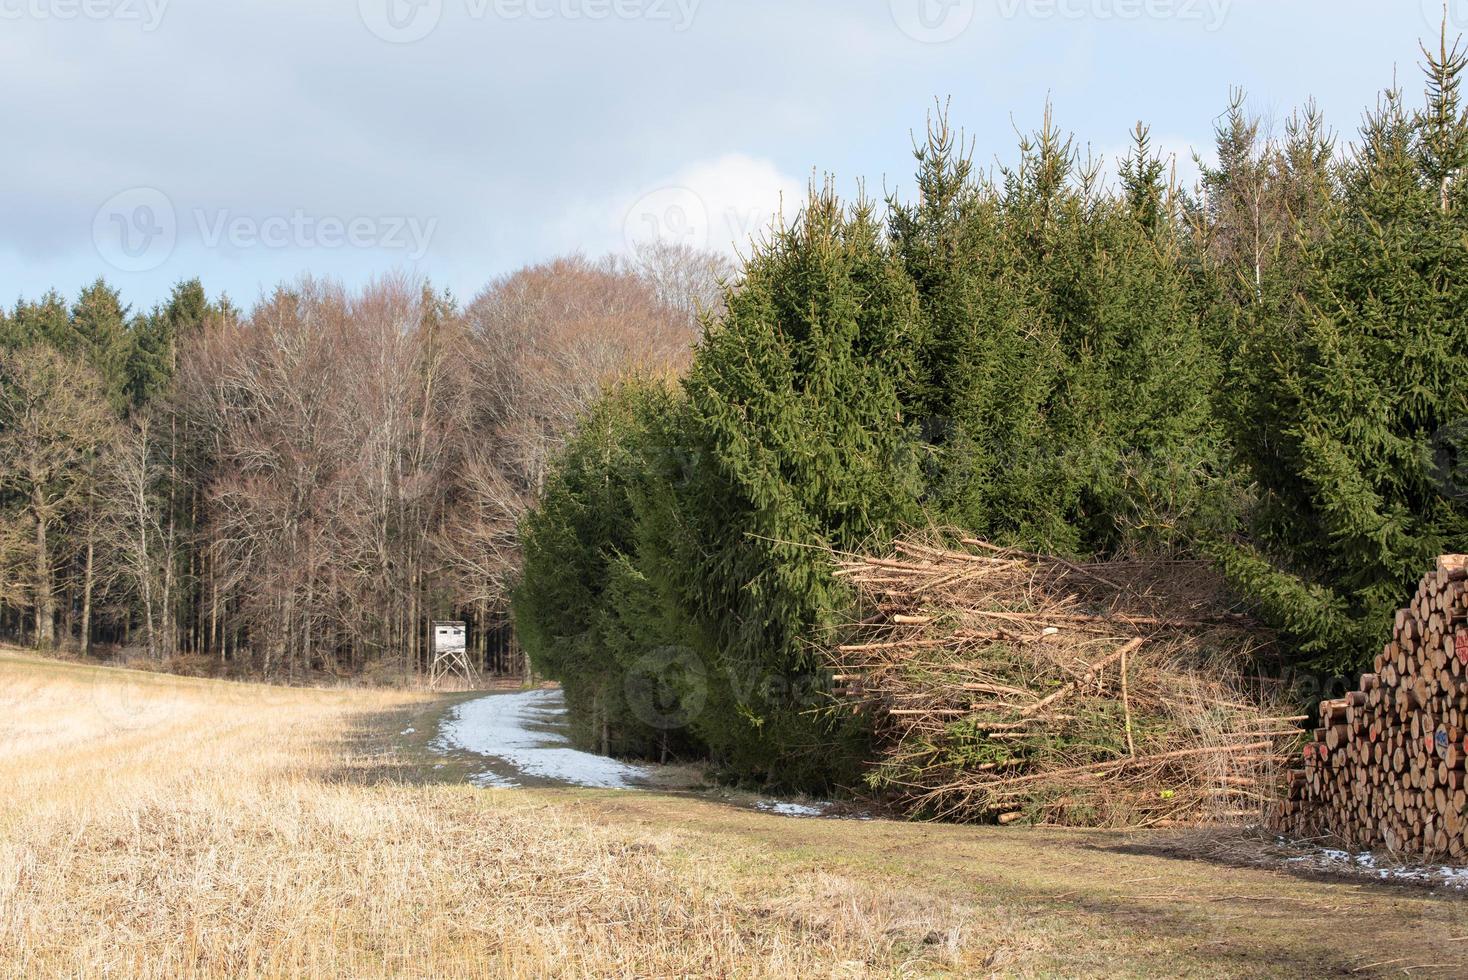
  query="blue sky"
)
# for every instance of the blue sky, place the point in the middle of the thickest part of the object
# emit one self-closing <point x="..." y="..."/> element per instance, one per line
<point x="250" y="141"/>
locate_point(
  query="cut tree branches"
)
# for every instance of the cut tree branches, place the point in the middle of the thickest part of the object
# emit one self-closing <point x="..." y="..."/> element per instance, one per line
<point x="1014" y="687"/>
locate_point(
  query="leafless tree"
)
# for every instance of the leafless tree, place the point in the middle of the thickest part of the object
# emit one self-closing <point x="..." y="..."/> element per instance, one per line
<point x="684" y="278"/>
<point x="131" y="525"/>
<point x="55" y="427"/>
<point x="540" y="346"/>
<point x="320" y="478"/>
<point x="325" y="433"/>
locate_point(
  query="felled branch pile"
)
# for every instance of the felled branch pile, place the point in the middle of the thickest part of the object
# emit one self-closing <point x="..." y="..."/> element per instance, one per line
<point x="1015" y="687"/>
<point x="1386" y="765"/>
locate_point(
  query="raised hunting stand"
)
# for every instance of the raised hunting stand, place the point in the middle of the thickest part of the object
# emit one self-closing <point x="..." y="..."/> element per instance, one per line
<point x="450" y="653"/>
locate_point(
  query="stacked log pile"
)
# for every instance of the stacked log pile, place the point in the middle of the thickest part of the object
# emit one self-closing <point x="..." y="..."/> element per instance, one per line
<point x="1385" y="768"/>
<point x="1011" y="687"/>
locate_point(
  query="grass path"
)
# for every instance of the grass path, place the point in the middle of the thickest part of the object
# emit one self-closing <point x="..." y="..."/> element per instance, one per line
<point x="154" y="826"/>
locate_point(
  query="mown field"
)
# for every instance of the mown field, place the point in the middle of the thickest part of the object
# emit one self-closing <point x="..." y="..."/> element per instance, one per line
<point x="155" y="826"/>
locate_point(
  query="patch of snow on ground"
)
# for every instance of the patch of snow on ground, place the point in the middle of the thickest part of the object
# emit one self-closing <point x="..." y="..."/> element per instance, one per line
<point x="522" y="731"/>
<point x="790" y="809"/>
<point x="1331" y="859"/>
<point x="492" y="780"/>
<point x="409" y="731"/>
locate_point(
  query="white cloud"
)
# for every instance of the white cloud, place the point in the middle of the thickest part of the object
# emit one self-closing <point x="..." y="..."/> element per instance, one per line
<point x="720" y="204"/>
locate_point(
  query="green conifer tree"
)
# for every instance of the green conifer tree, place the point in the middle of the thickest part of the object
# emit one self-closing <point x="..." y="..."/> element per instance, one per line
<point x="1369" y="388"/>
<point x="99" y="323"/>
<point x="45" y="321"/>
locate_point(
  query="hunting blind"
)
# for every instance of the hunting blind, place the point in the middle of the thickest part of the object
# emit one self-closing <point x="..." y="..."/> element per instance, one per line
<point x="450" y="652"/>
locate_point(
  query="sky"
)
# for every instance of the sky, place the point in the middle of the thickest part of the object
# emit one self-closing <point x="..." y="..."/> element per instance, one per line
<point x="248" y="142"/>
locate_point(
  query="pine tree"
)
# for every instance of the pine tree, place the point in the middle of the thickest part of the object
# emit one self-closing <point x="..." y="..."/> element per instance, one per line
<point x="581" y="606"/>
<point x="45" y="321"/>
<point x="1442" y="130"/>
<point x="157" y="337"/>
<point x="973" y="400"/>
<point x="796" y="440"/>
<point x="99" y="323"/>
<point x="1141" y="181"/>
<point x="1367" y="383"/>
<point x="1103" y="427"/>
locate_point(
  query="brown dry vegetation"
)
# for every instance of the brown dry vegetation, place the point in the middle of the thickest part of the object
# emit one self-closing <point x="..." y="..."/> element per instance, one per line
<point x="158" y="826"/>
<point x="1030" y="688"/>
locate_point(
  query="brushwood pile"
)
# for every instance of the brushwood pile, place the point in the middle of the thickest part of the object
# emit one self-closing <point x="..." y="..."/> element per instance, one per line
<point x="1010" y="687"/>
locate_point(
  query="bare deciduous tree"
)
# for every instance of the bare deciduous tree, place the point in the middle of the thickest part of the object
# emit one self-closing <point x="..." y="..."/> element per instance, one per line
<point x="132" y="524"/>
<point x="55" y="426"/>
<point x="306" y="487"/>
<point x="540" y="346"/>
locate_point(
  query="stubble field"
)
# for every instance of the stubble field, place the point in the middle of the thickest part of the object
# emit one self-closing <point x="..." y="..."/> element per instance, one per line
<point x="154" y="826"/>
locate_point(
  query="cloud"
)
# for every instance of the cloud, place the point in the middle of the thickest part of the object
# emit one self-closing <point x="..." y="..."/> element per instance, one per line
<point x="521" y="138"/>
<point x="721" y="204"/>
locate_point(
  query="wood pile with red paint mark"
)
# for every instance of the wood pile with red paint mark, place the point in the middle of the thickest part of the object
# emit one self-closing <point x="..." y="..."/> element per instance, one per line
<point x="1386" y="766"/>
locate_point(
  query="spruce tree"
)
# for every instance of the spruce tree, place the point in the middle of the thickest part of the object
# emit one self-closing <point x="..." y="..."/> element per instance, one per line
<point x="153" y="359"/>
<point x="99" y="323"/>
<point x="797" y="441"/>
<point x="45" y="321"/>
<point x="581" y="608"/>
<point x="1369" y="389"/>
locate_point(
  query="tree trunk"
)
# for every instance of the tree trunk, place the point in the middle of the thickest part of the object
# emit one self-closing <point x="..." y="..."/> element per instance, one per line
<point x="147" y="579"/>
<point x="45" y="597"/>
<point x="170" y="623"/>
<point x="68" y="611"/>
<point x="88" y="576"/>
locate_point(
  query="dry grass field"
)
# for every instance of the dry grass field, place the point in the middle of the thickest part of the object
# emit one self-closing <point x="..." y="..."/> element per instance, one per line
<point x="153" y="826"/>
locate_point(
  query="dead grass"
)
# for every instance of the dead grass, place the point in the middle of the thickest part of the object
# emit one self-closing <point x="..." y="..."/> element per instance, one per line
<point x="168" y="827"/>
<point x="156" y="826"/>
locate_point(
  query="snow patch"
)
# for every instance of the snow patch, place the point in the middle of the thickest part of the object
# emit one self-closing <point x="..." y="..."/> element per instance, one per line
<point x="492" y="780"/>
<point x="791" y="809"/>
<point x="1331" y="859"/>
<point x="522" y="731"/>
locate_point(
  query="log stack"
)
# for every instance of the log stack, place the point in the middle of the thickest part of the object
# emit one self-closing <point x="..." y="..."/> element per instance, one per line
<point x="1386" y="766"/>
